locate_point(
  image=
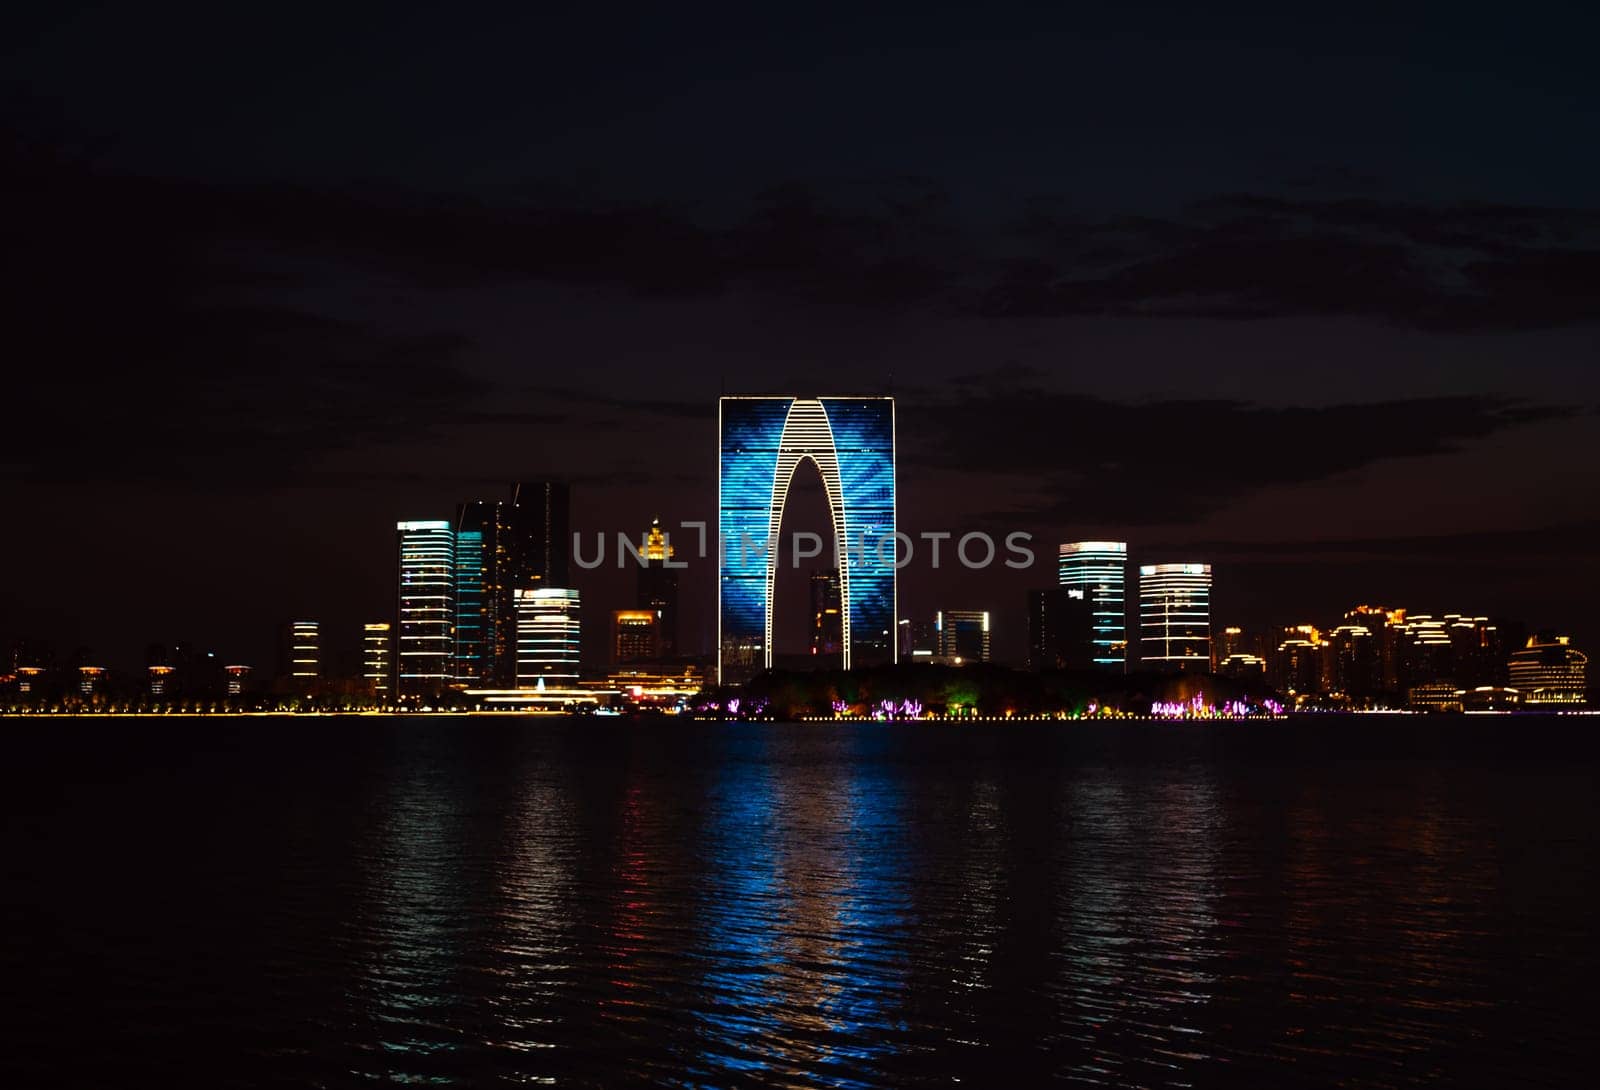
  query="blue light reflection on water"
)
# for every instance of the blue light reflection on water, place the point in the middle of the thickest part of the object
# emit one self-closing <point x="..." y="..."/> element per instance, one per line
<point x="436" y="902"/>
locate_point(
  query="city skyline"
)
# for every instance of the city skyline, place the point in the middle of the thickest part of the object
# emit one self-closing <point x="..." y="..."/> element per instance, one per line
<point x="446" y="625"/>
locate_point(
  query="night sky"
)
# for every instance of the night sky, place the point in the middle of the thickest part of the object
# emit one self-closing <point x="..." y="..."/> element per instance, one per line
<point x="1313" y="297"/>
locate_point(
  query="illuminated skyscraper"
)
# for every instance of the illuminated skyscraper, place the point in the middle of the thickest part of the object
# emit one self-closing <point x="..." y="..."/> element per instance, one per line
<point x="762" y="442"/>
<point x="1355" y="665"/>
<point x="377" y="658"/>
<point x="1175" y="616"/>
<point x="963" y="634"/>
<point x="658" y="587"/>
<point x="634" y="636"/>
<point x="538" y="528"/>
<point x="548" y="629"/>
<point x="1297" y="664"/>
<point x="426" y="608"/>
<point x="1384" y="623"/>
<point x="1099" y="568"/>
<point x="476" y="615"/>
<point x="300" y="653"/>
<point x="1424" y="653"/>
<point x="502" y="546"/>
<point x="1477" y="654"/>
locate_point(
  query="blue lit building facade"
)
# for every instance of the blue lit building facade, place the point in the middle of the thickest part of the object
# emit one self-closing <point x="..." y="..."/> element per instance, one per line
<point x="1099" y="570"/>
<point x="476" y="617"/>
<point x="502" y="546"/>
<point x="763" y="440"/>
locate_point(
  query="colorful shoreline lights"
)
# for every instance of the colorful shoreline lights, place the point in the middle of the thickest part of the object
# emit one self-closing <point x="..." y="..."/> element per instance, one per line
<point x="1197" y="707"/>
<point x="762" y="442"/>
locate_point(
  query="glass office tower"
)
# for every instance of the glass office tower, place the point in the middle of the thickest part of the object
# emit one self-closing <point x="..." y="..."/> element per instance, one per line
<point x="475" y="619"/>
<point x="762" y="441"/>
<point x="426" y="608"/>
<point x="1099" y="569"/>
<point x="502" y="546"/>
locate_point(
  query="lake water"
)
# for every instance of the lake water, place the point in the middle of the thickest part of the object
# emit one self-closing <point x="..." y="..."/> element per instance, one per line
<point x="358" y="901"/>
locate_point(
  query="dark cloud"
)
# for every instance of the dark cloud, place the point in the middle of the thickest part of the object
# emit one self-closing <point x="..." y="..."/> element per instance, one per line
<point x="1175" y="461"/>
<point x="190" y="329"/>
<point x="1245" y="256"/>
<point x="143" y="351"/>
<point x="890" y="244"/>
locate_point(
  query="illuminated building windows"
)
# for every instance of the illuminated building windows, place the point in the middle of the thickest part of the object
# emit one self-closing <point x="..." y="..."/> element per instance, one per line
<point x="548" y="629"/>
<point x="1099" y="569"/>
<point x="963" y="635"/>
<point x="635" y="635"/>
<point x="426" y="607"/>
<point x="1550" y="672"/>
<point x="377" y="657"/>
<point x="1175" y="617"/>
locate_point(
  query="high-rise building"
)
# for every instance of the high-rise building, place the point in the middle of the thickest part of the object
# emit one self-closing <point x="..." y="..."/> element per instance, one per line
<point x="1424" y="653"/>
<point x="538" y="522"/>
<point x="476" y="616"/>
<point x="635" y="636"/>
<point x="91" y="680"/>
<point x="1061" y="629"/>
<point x="548" y="630"/>
<point x="502" y="546"/>
<point x="160" y="672"/>
<point x="963" y="635"/>
<point x="300" y="653"/>
<point x="1226" y="643"/>
<point x="377" y="658"/>
<point x="1297" y="665"/>
<point x="827" y="620"/>
<point x="238" y="676"/>
<point x="658" y="587"/>
<point x="762" y="441"/>
<point x="1384" y="624"/>
<point x="426" y="610"/>
<point x="1550" y="672"/>
<point x="32" y="662"/>
<point x="1175" y="617"/>
<point x="1356" y="664"/>
<point x="1099" y="568"/>
<point x="1476" y="651"/>
<point x="918" y="640"/>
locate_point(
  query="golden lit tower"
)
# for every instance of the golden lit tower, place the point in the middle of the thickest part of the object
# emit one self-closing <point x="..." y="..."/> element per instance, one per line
<point x="658" y="588"/>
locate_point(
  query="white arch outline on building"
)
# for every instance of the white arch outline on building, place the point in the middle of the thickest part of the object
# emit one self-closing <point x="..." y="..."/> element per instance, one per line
<point x="807" y="436"/>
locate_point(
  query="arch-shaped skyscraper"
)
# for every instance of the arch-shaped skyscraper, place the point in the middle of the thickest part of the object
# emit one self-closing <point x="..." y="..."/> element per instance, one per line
<point x="763" y="440"/>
